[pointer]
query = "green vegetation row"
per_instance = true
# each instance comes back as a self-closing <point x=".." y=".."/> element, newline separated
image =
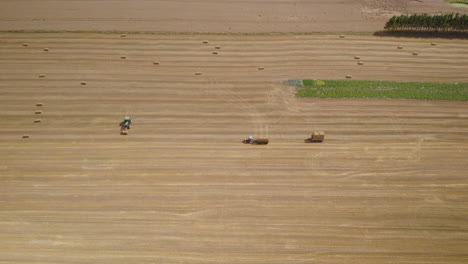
<point x="321" y="33"/>
<point x="382" y="89"/>
<point x="461" y="2"/>
<point x="424" y="22"/>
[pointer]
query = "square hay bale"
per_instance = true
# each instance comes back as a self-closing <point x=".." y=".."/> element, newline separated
<point x="400" y="47"/>
<point x="25" y="44"/>
<point x="357" y="57"/>
<point x="198" y="73"/>
<point x="205" y="42"/>
<point x="215" y="52"/>
<point x="342" y="36"/>
<point x="41" y="75"/>
<point x="38" y="112"/>
<point x="123" y="57"/>
<point x="433" y="44"/>
<point x="261" y="68"/>
<point x="123" y="35"/>
<point x="25" y="136"/>
<point x="217" y="47"/>
<point x="46" y="49"/>
<point x="38" y="104"/>
<point x="37" y="121"/>
<point x="318" y="135"/>
<point x="360" y="63"/>
<point x="83" y="83"/>
<point x="155" y="62"/>
<point x="349" y="76"/>
<point x="415" y="53"/>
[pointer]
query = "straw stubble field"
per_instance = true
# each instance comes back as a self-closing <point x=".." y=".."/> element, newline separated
<point x="387" y="186"/>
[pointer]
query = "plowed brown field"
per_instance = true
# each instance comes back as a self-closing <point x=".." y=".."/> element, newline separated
<point x="389" y="184"/>
<point x="211" y="15"/>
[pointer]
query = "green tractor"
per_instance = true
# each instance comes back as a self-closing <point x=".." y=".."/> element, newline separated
<point x="125" y="125"/>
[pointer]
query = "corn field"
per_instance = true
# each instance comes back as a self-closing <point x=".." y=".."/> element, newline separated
<point x="453" y="22"/>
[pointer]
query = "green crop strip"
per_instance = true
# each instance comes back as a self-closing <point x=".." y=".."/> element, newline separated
<point x="382" y="89"/>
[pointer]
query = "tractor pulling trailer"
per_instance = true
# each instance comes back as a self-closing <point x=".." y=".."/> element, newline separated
<point x="315" y="137"/>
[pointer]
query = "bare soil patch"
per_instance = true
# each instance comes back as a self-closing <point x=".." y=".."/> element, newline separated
<point x="211" y="16"/>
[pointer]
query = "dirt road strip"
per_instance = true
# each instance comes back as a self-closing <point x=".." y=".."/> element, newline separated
<point x="389" y="184"/>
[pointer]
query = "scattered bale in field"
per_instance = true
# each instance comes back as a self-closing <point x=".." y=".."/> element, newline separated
<point x="205" y="42"/>
<point x="123" y="35"/>
<point x="215" y="52"/>
<point x="433" y="44"/>
<point x="357" y="57"/>
<point x="83" y="83"/>
<point x="400" y="47"/>
<point x="348" y="76"/>
<point x="342" y="36"/>
<point x="218" y="47"/>
<point x="39" y="104"/>
<point x="261" y="68"/>
<point x="41" y="75"/>
<point x="37" y="121"/>
<point x="198" y="73"/>
<point x="38" y="112"/>
<point x="415" y="53"/>
<point x="46" y="49"/>
<point x="360" y="63"/>
<point x="25" y="136"/>
<point x="25" y="44"/>
<point x="123" y="57"/>
<point x="155" y="62"/>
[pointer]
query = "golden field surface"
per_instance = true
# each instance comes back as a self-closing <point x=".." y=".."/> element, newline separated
<point x="388" y="185"/>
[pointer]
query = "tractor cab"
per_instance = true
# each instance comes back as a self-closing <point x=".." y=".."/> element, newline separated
<point x="127" y="122"/>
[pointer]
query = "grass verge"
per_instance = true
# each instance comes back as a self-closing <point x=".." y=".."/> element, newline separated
<point x="458" y="3"/>
<point x="383" y="89"/>
<point x="320" y="33"/>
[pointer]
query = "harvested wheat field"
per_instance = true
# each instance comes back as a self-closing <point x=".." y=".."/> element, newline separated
<point x="388" y="185"/>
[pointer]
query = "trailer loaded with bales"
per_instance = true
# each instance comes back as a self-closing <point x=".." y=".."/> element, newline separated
<point x="316" y="137"/>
